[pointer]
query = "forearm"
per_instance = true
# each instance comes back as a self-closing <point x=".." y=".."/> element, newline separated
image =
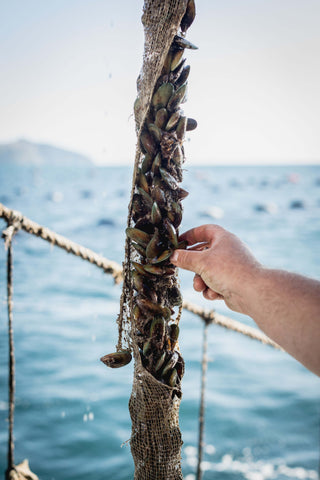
<point x="286" y="307"/>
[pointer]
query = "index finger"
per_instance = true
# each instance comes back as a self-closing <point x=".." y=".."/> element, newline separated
<point x="204" y="233"/>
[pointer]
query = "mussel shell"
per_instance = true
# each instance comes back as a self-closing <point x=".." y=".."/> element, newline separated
<point x="148" y="143"/>
<point x="158" y="195"/>
<point x="146" y="199"/>
<point x="183" y="76"/>
<point x="139" y="268"/>
<point x="147" y="306"/>
<point x="176" y="59"/>
<point x="142" y="180"/>
<point x="171" y="231"/>
<point x="166" y="313"/>
<point x="162" y="257"/>
<point x="173" y="358"/>
<point x="155" y="132"/>
<point x="174" y="332"/>
<point x="182" y="42"/>
<point x="158" y="327"/>
<point x="117" y="359"/>
<point x="146" y="163"/>
<point x="175" y="214"/>
<point x="167" y="63"/>
<point x="160" y="362"/>
<point x="138" y="280"/>
<point x="156" y="216"/>
<point x="154" y="246"/>
<point x="161" y="118"/>
<point x="153" y="269"/>
<point x="146" y="348"/>
<point x="161" y="271"/>
<point x="136" y="312"/>
<point x="144" y="224"/>
<point x="173" y="378"/>
<point x="138" y="236"/>
<point x="189" y="16"/>
<point x="182" y="193"/>
<point x="177" y="156"/>
<point x="157" y="182"/>
<point x="156" y="164"/>
<point x="162" y="95"/>
<point x="139" y="249"/>
<point x="173" y="120"/>
<point x="180" y="367"/>
<point x="191" y="124"/>
<point x="168" y="179"/>
<point x="177" y="97"/>
<point x="181" y="128"/>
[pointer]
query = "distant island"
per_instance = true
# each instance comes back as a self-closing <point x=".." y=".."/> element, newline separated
<point x="27" y="153"/>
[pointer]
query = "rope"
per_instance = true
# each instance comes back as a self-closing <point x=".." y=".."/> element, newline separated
<point x="113" y="268"/>
<point x="12" y="216"/>
<point x="204" y="367"/>
<point x="8" y="235"/>
<point x="210" y="316"/>
<point x="17" y="221"/>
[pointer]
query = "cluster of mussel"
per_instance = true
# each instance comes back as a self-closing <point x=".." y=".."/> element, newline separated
<point x="157" y="214"/>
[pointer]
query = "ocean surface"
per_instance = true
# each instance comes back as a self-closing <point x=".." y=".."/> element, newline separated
<point x="71" y="418"/>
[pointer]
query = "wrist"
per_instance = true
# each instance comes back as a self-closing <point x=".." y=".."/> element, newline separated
<point x="243" y="296"/>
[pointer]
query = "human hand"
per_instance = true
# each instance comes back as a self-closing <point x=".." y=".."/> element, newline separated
<point x="223" y="265"/>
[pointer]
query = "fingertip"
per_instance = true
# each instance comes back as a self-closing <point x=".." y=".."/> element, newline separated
<point x="210" y="294"/>
<point x="186" y="259"/>
<point x="174" y="257"/>
<point x="198" y="283"/>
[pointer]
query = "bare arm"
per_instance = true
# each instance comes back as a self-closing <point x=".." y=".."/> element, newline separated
<point x="286" y="306"/>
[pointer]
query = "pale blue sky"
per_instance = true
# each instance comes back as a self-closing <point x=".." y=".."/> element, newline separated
<point x="69" y="69"/>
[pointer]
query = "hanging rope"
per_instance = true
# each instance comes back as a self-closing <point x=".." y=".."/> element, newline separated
<point x="8" y="234"/>
<point x="204" y="367"/>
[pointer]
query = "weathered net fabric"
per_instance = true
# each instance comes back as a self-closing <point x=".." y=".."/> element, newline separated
<point x="154" y="408"/>
<point x="156" y="437"/>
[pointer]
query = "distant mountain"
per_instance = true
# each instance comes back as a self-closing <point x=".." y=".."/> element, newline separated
<point x="23" y="152"/>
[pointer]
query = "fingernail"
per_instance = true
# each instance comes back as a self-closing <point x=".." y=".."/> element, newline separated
<point x="174" y="257"/>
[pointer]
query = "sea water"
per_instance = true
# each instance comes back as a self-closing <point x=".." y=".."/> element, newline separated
<point x="71" y="417"/>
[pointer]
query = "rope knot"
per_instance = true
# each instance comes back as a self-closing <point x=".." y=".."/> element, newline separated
<point x="13" y="226"/>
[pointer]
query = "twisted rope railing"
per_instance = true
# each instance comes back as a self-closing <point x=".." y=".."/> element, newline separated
<point x="113" y="268"/>
<point x="24" y="223"/>
<point x="16" y="221"/>
<point x="210" y="316"/>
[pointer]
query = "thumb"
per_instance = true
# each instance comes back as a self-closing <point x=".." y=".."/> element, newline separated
<point x="187" y="259"/>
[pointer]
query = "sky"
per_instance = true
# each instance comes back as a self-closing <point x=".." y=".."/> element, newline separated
<point x="69" y="69"/>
